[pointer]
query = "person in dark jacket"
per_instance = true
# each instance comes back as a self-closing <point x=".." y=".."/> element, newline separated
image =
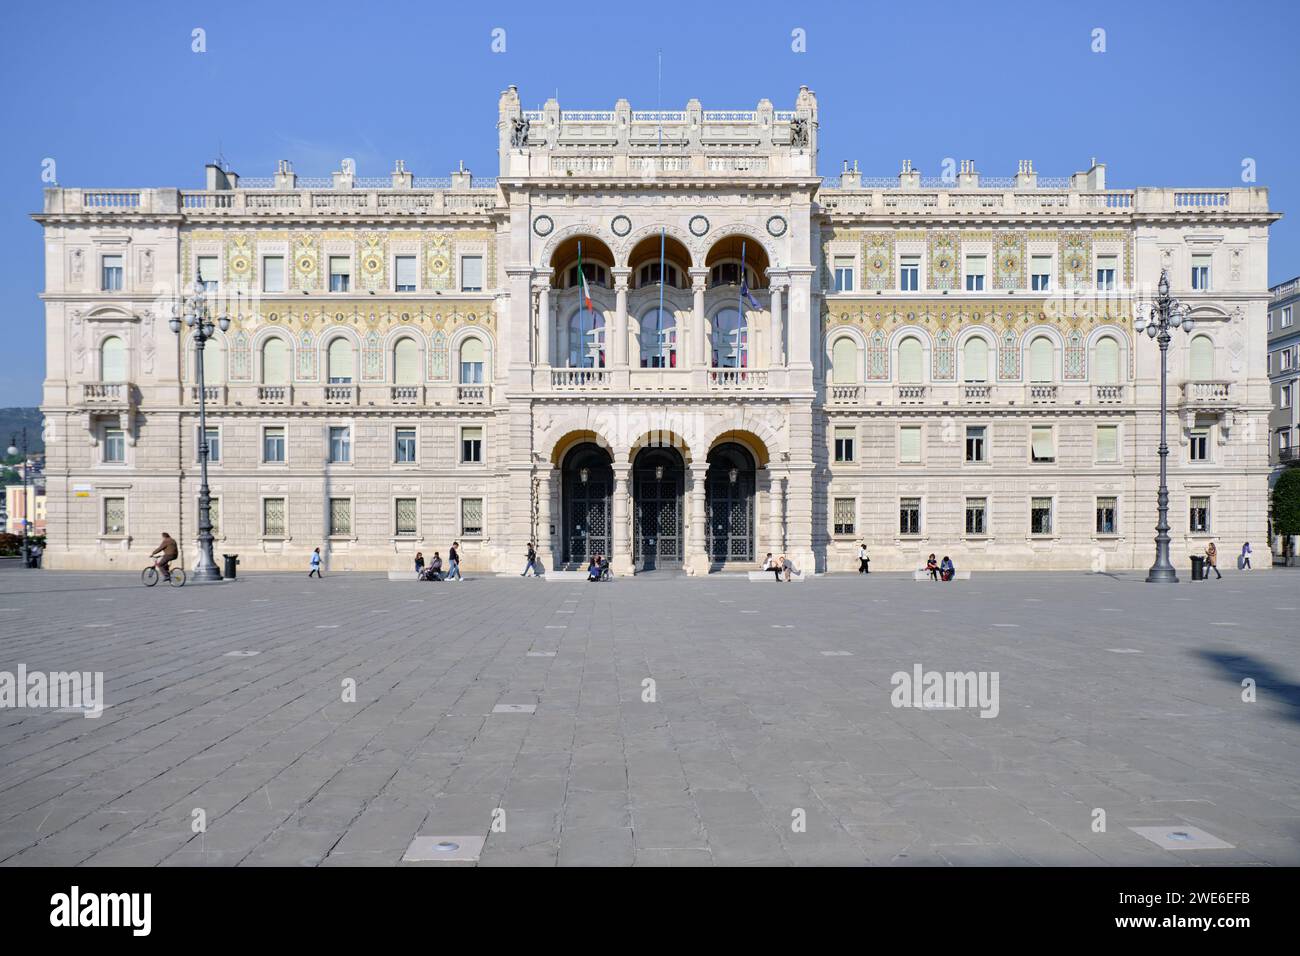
<point x="531" y="561"/>
<point x="419" y="564"/>
<point x="453" y="563"/>
<point x="434" y="573"/>
<point x="169" y="551"/>
<point x="947" y="569"/>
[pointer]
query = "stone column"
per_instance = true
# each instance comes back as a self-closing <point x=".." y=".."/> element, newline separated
<point x="619" y="350"/>
<point x="696" y="559"/>
<point x="776" y="513"/>
<point x="620" y="536"/>
<point x="547" y="478"/>
<point x="803" y="323"/>
<point x="699" y="355"/>
<point x="545" y="327"/>
<point x="777" y="357"/>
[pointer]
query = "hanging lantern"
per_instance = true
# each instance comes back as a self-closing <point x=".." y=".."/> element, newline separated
<point x="733" y="475"/>
<point x="659" y="472"/>
<point x="583" y="475"/>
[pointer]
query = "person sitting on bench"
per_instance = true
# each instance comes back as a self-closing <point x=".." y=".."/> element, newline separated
<point x="434" y="571"/>
<point x="946" y="568"/>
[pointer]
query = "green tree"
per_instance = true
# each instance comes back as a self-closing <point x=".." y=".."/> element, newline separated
<point x="1286" y="502"/>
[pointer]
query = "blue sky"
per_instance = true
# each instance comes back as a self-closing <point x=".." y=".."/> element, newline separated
<point x="113" y="93"/>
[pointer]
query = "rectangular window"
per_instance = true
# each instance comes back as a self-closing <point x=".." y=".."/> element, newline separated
<point x="1042" y="445"/>
<point x="976" y="268"/>
<point x="844" y="515"/>
<point x="1106" y="273"/>
<point x="471" y="516"/>
<point x="209" y="273"/>
<point x="909" y="273"/>
<point x="909" y="516"/>
<point x="1040" y="273"/>
<point x="404" y="518"/>
<point x="340" y="517"/>
<point x="843" y="273"/>
<point x="340" y="273"/>
<point x="1284" y="360"/>
<point x="273" y="522"/>
<point x="1201" y="273"/>
<point x="114" y="517"/>
<point x="844" y="444"/>
<point x="1286" y="317"/>
<point x="273" y="273"/>
<point x="1107" y="508"/>
<point x="1108" y="443"/>
<point x="471" y="445"/>
<point x="471" y="274"/>
<point x="404" y="446"/>
<point x="1198" y="517"/>
<point x="1198" y="445"/>
<point x="405" y="274"/>
<point x="977" y="516"/>
<point x="111" y="274"/>
<point x="273" y="445"/>
<point x="1283" y="440"/>
<point x="214" y="444"/>
<point x="340" y="443"/>
<point x="1040" y="516"/>
<point x="909" y="444"/>
<point x="1284" y="397"/>
<point x="114" y="446"/>
<point x="975" y="438"/>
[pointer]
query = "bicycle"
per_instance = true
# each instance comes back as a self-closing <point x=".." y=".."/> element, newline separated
<point x="149" y="576"/>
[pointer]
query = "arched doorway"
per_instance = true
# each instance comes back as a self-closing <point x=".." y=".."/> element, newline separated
<point x="658" y="479"/>
<point x="588" y="484"/>
<point x="729" y="503"/>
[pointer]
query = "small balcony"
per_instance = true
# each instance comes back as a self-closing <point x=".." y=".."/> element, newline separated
<point x="340" y="394"/>
<point x="1207" y="394"/>
<point x="1108" y="394"/>
<point x="212" y="394"/>
<point x="736" y="379"/>
<point x="911" y="394"/>
<point x="275" y="394"/>
<point x="976" y="393"/>
<point x="1043" y="394"/>
<point x="580" y="379"/>
<point x="472" y="394"/>
<point x="107" y="395"/>
<point x="845" y="394"/>
<point x="1288" y="455"/>
<point x="406" y="394"/>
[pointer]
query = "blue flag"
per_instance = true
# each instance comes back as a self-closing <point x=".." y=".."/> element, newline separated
<point x="744" y="292"/>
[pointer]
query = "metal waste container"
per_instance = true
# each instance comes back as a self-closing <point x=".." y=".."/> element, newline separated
<point x="1198" y="567"/>
<point x="231" y="560"/>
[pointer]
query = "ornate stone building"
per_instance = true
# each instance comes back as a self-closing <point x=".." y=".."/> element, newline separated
<point x="945" y="365"/>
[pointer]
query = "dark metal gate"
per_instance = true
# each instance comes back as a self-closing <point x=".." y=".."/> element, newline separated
<point x="657" y="511"/>
<point x="729" y="486"/>
<point x="588" y="488"/>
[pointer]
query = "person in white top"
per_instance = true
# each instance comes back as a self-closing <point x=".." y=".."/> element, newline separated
<point x="864" y="562"/>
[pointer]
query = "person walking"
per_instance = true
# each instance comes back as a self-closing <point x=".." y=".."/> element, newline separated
<point x="315" y="564"/>
<point x="1212" y="561"/>
<point x="531" y="562"/>
<point x="453" y="563"/>
<point x="419" y="564"/>
<point x="1244" y="560"/>
<point x="932" y="566"/>
<point x="864" y="562"/>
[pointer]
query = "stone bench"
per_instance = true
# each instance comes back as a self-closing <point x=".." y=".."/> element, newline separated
<point x="410" y="576"/>
<point x="795" y="576"/>
<point x="571" y="576"/>
<point x="921" y="574"/>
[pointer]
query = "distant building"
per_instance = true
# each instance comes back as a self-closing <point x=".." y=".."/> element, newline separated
<point x="16" y="509"/>
<point x="1284" y="382"/>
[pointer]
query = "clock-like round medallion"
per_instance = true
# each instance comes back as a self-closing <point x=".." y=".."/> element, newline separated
<point x="699" y="225"/>
<point x="776" y="225"/>
<point x="543" y="225"/>
<point x="621" y="225"/>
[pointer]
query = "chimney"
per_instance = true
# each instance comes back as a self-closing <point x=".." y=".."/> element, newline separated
<point x="967" y="177"/>
<point x="461" y="178"/>
<point x="285" y="177"/>
<point x="1026" y="178"/>
<point x="850" y="178"/>
<point x="1094" y="180"/>
<point x="909" y="178"/>
<point x="217" y="178"/>
<point x="401" y="178"/>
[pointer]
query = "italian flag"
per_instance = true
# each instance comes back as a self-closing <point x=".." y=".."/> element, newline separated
<point x="582" y="282"/>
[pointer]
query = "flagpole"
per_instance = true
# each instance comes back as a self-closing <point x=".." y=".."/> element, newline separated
<point x="661" y="292"/>
<point x="740" y="302"/>
<point x="582" y="296"/>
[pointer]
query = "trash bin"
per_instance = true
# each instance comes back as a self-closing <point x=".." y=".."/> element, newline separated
<point x="1198" y="567"/>
<point x="231" y="560"/>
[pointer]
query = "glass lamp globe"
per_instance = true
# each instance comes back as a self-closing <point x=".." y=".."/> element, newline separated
<point x="1188" y="323"/>
<point x="1140" y="323"/>
<point x="224" y="323"/>
<point x="174" y="323"/>
<point x="12" y="450"/>
<point x="1152" y="331"/>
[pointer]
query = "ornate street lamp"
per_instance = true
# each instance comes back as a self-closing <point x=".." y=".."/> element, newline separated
<point x="197" y="315"/>
<point x="1157" y="319"/>
<point x="27" y="505"/>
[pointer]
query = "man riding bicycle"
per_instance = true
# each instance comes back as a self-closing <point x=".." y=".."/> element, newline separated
<point x="167" y="548"/>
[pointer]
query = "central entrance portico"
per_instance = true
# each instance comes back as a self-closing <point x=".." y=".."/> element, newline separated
<point x="658" y="481"/>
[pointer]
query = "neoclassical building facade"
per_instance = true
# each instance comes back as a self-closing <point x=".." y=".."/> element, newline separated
<point x="663" y="337"/>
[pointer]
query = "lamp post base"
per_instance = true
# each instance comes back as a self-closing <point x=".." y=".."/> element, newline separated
<point x="204" y="574"/>
<point x="1162" y="574"/>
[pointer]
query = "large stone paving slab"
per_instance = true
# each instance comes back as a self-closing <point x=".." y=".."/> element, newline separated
<point x="767" y="735"/>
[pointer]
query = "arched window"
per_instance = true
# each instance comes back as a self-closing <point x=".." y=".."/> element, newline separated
<point x="1040" y="360"/>
<point x="471" y="361"/>
<point x="844" y="361"/>
<point x="649" y="275"/>
<point x="730" y="340"/>
<point x="1202" y="362"/>
<point x="975" y="359"/>
<point x="1106" y="362"/>
<point x="275" y="361"/>
<point x="910" y="355"/>
<point x="214" y="362"/>
<point x="340" y="362"/>
<point x="728" y="273"/>
<point x="587" y="339"/>
<point x="658" y="339"/>
<point x="406" y="362"/>
<point x="112" y="360"/>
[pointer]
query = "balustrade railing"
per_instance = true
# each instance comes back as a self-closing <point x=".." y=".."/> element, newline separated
<point x="472" y="394"/>
<point x="737" y="378"/>
<point x="275" y="394"/>
<point x="977" y="394"/>
<point x="1207" y="393"/>
<point x="911" y="394"/>
<point x="845" y="394"/>
<point x="340" y="394"/>
<point x="105" y="393"/>
<point x="1108" y="394"/>
<point x="1042" y="394"/>
<point x="406" y="394"/>
<point x="579" y="378"/>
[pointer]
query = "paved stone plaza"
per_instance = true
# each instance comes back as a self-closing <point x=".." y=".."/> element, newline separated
<point x="1113" y="695"/>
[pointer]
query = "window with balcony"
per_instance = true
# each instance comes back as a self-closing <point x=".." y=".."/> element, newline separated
<point x="976" y="443"/>
<point x="909" y="516"/>
<point x="844" y="444"/>
<point x="911" y="355"/>
<point x="340" y="444"/>
<point x="977" y="516"/>
<point x="976" y="270"/>
<point x="404" y="274"/>
<point x="843" y="266"/>
<point x="1201" y="273"/>
<point x="909" y="273"/>
<point x="1040" y="516"/>
<point x="273" y="273"/>
<point x="471" y="445"/>
<point x="111" y="273"/>
<point x="1107" y="443"/>
<point x="340" y="361"/>
<point x="404" y="446"/>
<point x="275" y="361"/>
<point x="471" y="361"/>
<point x="975" y="359"/>
<point x="208" y="273"/>
<point x="1106" y="362"/>
<point x="587" y="339"/>
<point x="1107" y="510"/>
<point x="1198" y="445"/>
<point x="728" y="273"/>
<point x="1106" y="273"/>
<point x="406" y="362"/>
<point x="471" y="273"/>
<point x="112" y="360"/>
<point x="1201" y="360"/>
<point x="273" y="445"/>
<point x="843" y="520"/>
<point x="594" y="272"/>
<point x="1042" y="444"/>
<point x="730" y="340"/>
<point x="340" y="273"/>
<point x="1042" y="360"/>
<point x="649" y="275"/>
<point x="114" y="446"/>
<point x="1040" y="273"/>
<point x="1198" y="514"/>
<point x="658" y="339"/>
<point x="909" y="444"/>
<point x="844" y="361"/>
